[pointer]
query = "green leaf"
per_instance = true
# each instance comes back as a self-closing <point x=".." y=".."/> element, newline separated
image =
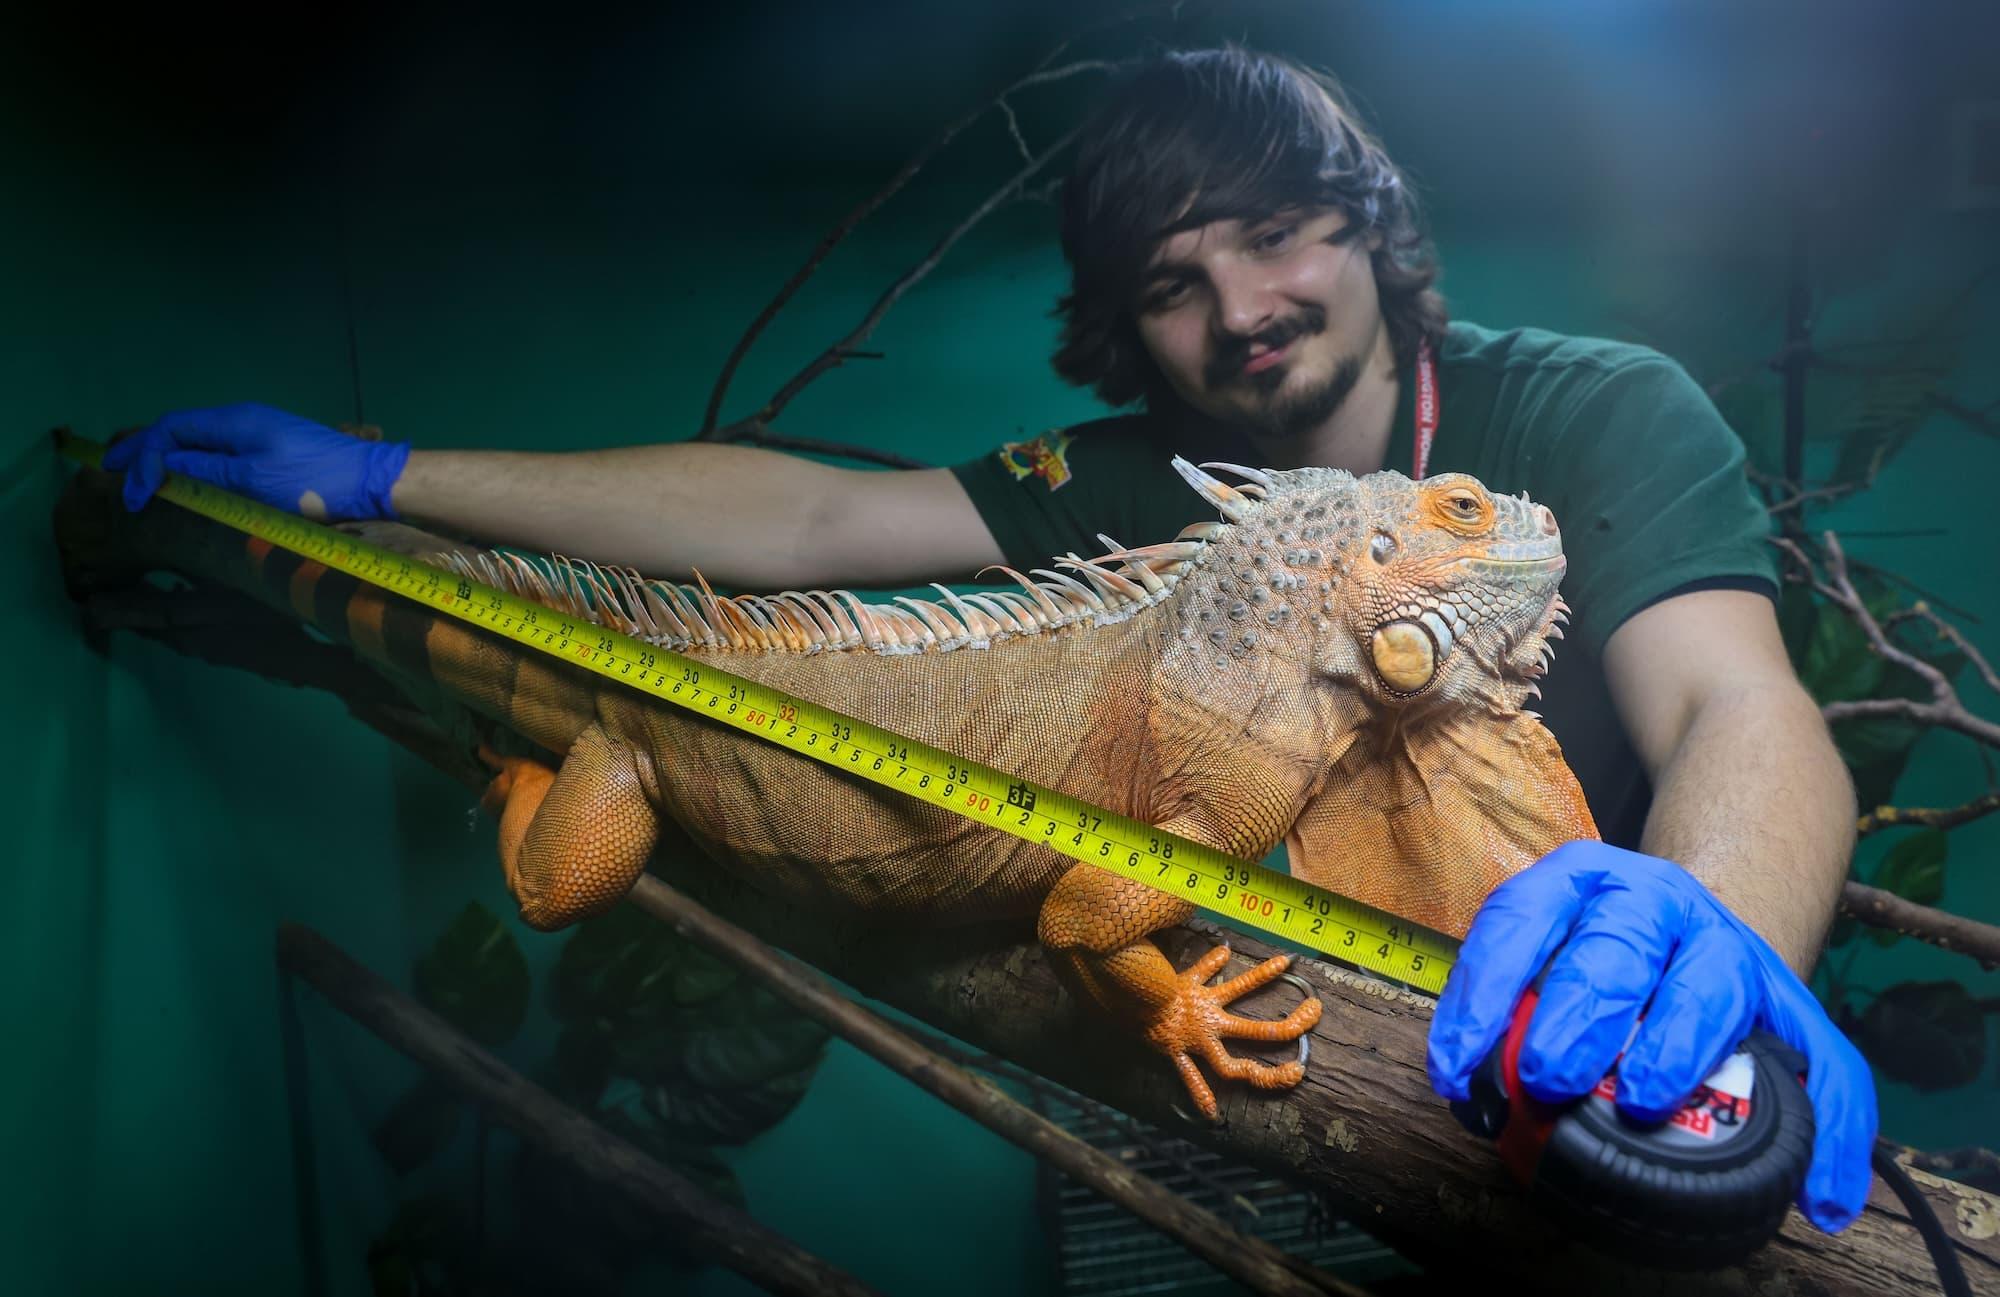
<point x="419" y="1126"/>
<point x="601" y="1226"/>
<point x="617" y="968"/>
<point x="1870" y="740"/>
<point x="1839" y="665"/>
<point x="727" y="1057"/>
<point x="405" y="1260"/>
<point x="1930" y="1035"/>
<point x="1877" y="748"/>
<point x="726" y="1116"/>
<point x="1882" y="418"/>
<point x="700" y="977"/>
<point x="727" y="1068"/>
<point x="1797" y="611"/>
<point x="476" y="978"/>
<point x="1914" y="867"/>
<point x="582" y="1063"/>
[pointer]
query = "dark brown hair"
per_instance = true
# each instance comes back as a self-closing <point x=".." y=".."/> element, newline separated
<point x="1189" y="137"/>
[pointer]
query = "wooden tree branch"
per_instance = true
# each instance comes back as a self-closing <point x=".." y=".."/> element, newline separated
<point x="1921" y="608"/>
<point x="1873" y="906"/>
<point x="264" y="642"/>
<point x="714" y="1229"/>
<point x="1248" y="1259"/>
<point x="1364" y="1128"/>
<point x="1799" y="495"/>
<point x="1937" y="817"/>
<point x="1980" y="1162"/>
<point x="1944" y="710"/>
<point x="1942" y="715"/>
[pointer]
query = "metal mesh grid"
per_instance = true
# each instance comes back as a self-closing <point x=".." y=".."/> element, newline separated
<point x="1101" y="1250"/>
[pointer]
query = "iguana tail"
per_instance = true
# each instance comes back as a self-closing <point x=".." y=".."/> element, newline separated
<point x="440" y="663"/>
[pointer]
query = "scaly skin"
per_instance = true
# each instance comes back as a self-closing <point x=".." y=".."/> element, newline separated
<point x="1340" y="665"/>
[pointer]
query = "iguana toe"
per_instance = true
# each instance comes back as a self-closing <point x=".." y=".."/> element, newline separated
<point x="1195" y="1022"/>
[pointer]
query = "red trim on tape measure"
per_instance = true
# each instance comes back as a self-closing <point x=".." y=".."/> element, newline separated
<point x="1529" y="1123"/>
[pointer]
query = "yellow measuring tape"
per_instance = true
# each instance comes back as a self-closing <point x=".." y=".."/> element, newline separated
<point x="1337" y="926"/>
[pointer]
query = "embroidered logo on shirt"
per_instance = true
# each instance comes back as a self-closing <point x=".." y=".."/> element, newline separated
<point x="1044" y="457"/>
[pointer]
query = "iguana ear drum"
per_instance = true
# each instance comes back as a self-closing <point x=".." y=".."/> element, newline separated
<point x="1404" y="656"/>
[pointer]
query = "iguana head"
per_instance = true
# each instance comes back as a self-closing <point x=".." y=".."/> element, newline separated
<point x="1426" y="609"/>
<point x="1417" y="594"/>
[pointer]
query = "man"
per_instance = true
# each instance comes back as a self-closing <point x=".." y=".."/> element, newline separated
<point x="1247" y="267"/>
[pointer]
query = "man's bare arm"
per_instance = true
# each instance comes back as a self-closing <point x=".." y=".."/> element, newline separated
<point x="1750" y="795"/>
<point x="748" y="518"/>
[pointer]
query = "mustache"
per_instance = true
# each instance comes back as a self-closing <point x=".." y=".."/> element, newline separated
<point x="1229" y="358"/>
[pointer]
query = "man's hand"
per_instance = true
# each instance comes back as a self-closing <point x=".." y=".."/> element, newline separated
<point x="266" y="454"/>
<point x="1631" y="933"/>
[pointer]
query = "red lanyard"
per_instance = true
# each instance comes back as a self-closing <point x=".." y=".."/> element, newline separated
<point x="1427" y="408"/>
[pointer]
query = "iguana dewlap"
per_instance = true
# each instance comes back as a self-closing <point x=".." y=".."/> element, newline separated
<point x="1340" y="664"/>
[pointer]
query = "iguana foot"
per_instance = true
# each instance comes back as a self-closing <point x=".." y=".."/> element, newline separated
<point x="573" y="841"/>
<point x="514" y="794"/>
<point x="1195" y="1022"/>
<point x="1097" y="925"/>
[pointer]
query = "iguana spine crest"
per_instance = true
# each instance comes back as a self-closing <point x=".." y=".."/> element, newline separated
<point x="1122" y="581"/>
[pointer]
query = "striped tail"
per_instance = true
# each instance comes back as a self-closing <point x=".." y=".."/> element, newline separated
<point x="433" y="658"/>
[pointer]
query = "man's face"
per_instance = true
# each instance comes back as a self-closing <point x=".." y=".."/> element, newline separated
<point x="1263" y="324"/>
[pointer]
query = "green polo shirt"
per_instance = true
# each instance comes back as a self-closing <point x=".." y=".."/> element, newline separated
<point x="1644" y="476"/>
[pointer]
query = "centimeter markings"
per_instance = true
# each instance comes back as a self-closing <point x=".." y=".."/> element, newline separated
<point x="1338" y="926"/>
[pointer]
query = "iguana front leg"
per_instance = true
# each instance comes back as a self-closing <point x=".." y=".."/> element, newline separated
<point x="1097" y="924"/>
<point x="573" y="840"/>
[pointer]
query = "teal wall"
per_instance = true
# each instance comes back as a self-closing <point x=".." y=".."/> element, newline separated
<point x="549" y="239"/>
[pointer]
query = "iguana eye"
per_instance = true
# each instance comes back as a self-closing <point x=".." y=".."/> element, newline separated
<point x="1461" y="509"/>
<point x="1381" y="547"/>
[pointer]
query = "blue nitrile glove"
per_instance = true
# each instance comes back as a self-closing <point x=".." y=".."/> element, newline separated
<point x="1624" y="929"/>
<point x="266" y="454"/>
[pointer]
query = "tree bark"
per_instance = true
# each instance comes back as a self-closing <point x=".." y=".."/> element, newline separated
<point x="1364" y="1126"/>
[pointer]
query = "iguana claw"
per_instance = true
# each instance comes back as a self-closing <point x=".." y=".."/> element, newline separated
<point x="1195" y="1023"/>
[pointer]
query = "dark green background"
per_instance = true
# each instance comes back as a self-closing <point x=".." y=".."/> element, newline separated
<point x="545" y="231"/>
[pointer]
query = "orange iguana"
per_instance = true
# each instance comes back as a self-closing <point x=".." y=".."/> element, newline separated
<point x="1337" y="663"/>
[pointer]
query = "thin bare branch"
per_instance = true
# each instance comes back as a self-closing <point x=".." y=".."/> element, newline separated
<point x="861" y="213"/>
<point x="719" y="1231"/>
<point x="1014" y="129"/>
<point x="1944" y="710"/>
<point x="754" y="435"/>
<point x="1880" y="909"/>
<point x="1937" y="817"/>
<point x="1048" y="1091"/>
<point x="1946" y="715"/>
<point x="1950" y="632"/>
<point x="1250" y="1260"/>
<point x="833" y="356"/>
<point x="1800" y="495"/>
<point x="1897" y="578"/>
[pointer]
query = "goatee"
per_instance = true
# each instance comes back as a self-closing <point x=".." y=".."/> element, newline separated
<point x="1284" y="415"/>
<point x="1274" y="415"/>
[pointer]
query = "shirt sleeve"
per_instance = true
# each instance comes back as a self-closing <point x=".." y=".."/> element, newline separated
<point x="1655" y="499"/>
